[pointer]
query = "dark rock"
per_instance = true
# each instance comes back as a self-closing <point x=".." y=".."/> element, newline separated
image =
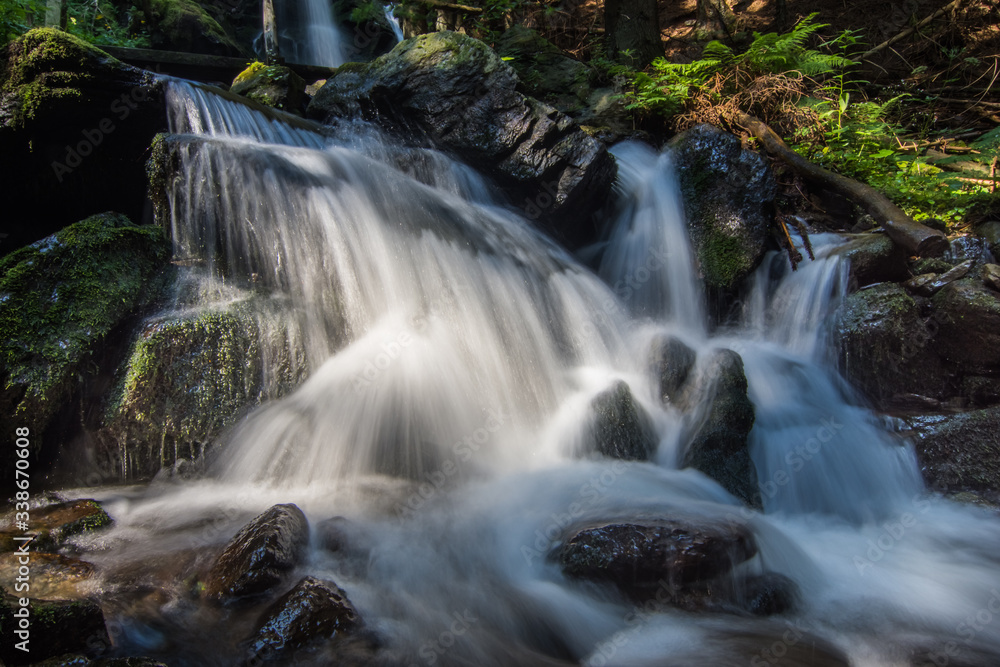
<point x="968" y="249"/>
<point x="767" y="594"/>
<point x="930" y="265"/>
<point x="312" y="611"/>
<point x="960" y="453"/>
<point x="272" y="85"/>
<point x="621" y="428"/>
<point x="672" y="362"/>
<point x="61" y="301"/>
<point x="885" y="345"/>
<point x="990" y="232"/>
<point x="990" y="273"/>
<point x="664" y="554"/>
<point x="370" y="29"/>
<point x="874" y="258"/>
<point x="58" y="627"/>
<point x="261" y="554"/>
<point x="184" y="25"/>
<point x="53" y="524"/>
<point x="463" y="97"/>
<point x="75" y="125"/>
<point x="968" y="319"/>
<point x="719" y="448"/>
<point x="728" y="198"/>
<point x="980" y="390"/>
<point x="342" y="536"/>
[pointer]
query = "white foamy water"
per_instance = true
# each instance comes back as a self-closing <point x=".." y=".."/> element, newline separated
<point x="450" y="353"/>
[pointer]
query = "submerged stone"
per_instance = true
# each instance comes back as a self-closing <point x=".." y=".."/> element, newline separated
<point x="52" y="525"/>
<point x="260" y="555"/>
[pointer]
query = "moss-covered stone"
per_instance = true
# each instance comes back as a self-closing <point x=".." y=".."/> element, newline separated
<point x="60" y="298"/>
<point x="968" y="318"/>
<point x="74" y="127"/>
<point x="272" y="85"/>
<point x="54" y="524"/>
<point x="57" y="628"/>
<point x="728" y="199"/>
<point x="886" y="345"/>
<point x="961" y="453"/>
<point x="874" y="258"/>
<point x="184" y="25"/>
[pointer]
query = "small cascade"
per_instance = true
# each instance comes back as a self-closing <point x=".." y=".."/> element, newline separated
<point x="308" y="34"/>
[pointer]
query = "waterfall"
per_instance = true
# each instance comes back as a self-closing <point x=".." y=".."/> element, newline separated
<point x="452" y="352"/>
<point x="308" y="34"/>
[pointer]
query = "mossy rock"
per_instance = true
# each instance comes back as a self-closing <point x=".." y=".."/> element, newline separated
<point x="187" y="379"/>
<point x="728" y="196"/>
<point x="968" y="332"/>
<point x="874" y="258"/>
<point x="272" y="85"/>
<point x="184" y="25"/>
<point x="74" y="127"/>
<point x="58" y="628"/>
<point x="886" y="345"/>
<point x="621" y="428"/>
<point x="544" y="70"/>
<point x="60" y="299"/>
<point x="961" y="453"/>
<point x="54" y="524"/>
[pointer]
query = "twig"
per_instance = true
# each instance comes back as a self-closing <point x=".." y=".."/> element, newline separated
<point x="909" y="31"/>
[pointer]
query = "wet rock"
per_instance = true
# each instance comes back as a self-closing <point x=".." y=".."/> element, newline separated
<point x="767" y="594"/>
<point x="57" y="628"/>
<point x="925" y="265"/>
<point x="62" y="301"/>
<point x="719" y="448"/>
<point x="728" y="198"/>
<point x="968" y="319"/>
<point x="990" y="273"/>
<point x="665" y="555"/>
<point x="53" y="576"/>
<point x="75" y="125"/>
<point x="372" y="33"/>
<point x="874" y="258"/>
<point x="621" y="428"/>
<point x="342" y="536"/>
<point x="260" y="555"/>
<point x="185" y="380"/>
<point x="968" y="249"/>
<point x="930" y="284"/>
<point x="886" y="345"/>
<point x="275" y="86"/>
<point x="960" y="453"/>
<point x="672" y="362"/>
<point x="53" y="524"/>
<point x="312" y="611"/>
<point x="463" y="98"/>
<point x="981" y="390"/>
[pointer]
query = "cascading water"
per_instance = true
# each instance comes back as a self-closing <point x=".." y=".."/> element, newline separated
<point x="308" y="34"/>
<point x="452" y="353"/>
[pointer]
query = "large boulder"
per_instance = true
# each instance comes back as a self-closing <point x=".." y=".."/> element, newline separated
<point x="968" y="332"/>
<point x="886" y="345"/>
<point x="960" y="453"/>
<point x="260" y="555"/>
<point x="64" y="302"/>
<point x="620" y="427"/>
<point x="184" y="25"/>
<point x="186" y="379"/>
<point x="639" y="558"/>
<point x="312" y="611"/>
<point x="729" y="202"/>
<point x="463" y="97"/>
<point x="75" y="125"/>
<point x="719" y="448"/>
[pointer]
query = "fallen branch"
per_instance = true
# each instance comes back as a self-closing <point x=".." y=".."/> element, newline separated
<point x="448" y="5"/>
<point x="904" y="231"/>
<point x="912" y="29"/>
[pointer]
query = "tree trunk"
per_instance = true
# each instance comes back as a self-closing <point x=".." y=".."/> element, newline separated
<point x="915" y="238"/>
<point x="713" y="20"/>
<point x="632" y="29"/>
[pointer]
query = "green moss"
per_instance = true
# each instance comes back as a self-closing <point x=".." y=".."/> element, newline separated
<point x="185" y="22"/>
<point x="250" y="72"/>
<point x="61" y="296"/>
<point x="723" y="260"/>
<point x="47" y="65"/>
